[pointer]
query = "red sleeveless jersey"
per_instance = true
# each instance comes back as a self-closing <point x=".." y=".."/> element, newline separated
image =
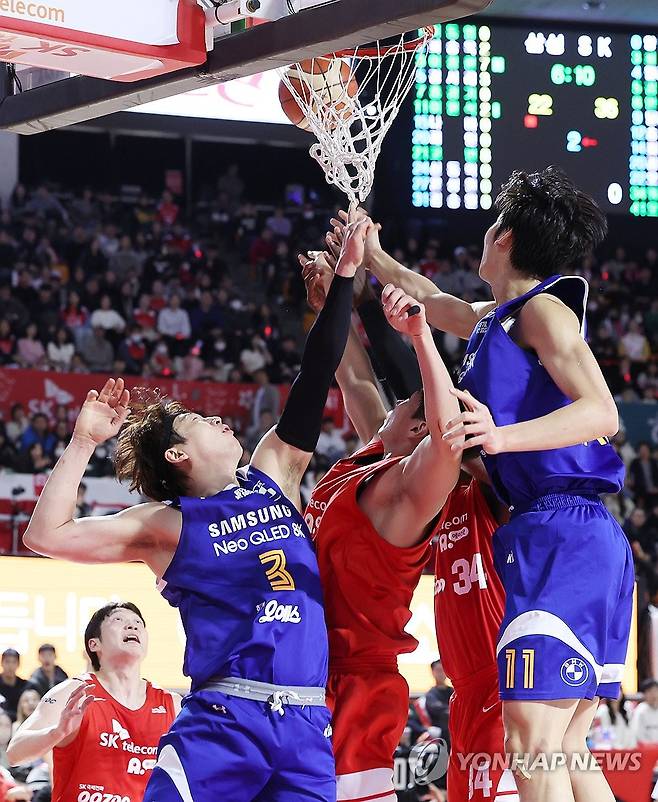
<point x="111" y="757"/>
<point x="368" y="583"/>
<point x="469" y="599"/>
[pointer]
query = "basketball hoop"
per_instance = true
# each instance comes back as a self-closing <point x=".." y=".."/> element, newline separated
<point x="350" y="124"/>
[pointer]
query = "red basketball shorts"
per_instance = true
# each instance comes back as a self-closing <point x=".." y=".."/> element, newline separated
<point x="370" y="711"/>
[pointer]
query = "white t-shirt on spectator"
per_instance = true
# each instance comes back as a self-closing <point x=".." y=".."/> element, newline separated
<point x="174" y="322"/>
<point x="60" y="356"/>
<point x="644" y="724"/>
<point x="107" y="319"/>
<point x="252" y="360"/>
<point x="331" y="445"/>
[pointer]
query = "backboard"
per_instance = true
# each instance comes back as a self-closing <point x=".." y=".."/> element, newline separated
<point x="52" y="100"/>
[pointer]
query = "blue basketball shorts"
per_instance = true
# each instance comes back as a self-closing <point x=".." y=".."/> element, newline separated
<point x="568" y="574"/>
<point x="222" y="747"/>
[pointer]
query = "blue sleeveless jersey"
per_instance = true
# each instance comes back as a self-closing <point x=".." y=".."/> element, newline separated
<point x="516" y="387"/>
<point x="246" y="582"/>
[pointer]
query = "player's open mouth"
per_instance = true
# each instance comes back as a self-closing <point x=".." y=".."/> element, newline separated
<point x="131" y="639"/>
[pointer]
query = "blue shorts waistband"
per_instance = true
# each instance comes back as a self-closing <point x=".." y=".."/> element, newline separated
<point x="556" y="501"/>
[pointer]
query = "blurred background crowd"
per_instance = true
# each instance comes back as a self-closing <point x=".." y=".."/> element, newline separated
<point x="93" y="283"/>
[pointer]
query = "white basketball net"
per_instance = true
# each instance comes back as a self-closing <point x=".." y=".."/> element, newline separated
<point x="351" y="128"/>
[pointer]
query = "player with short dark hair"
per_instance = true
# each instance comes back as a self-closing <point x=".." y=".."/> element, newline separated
<point x="103" y="727"/>
<point x="539" y="408"/>
<point x="233" y="553"/>
<point x="372" y="517"/>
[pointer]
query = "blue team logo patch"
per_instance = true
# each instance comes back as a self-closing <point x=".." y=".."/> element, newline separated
<point x="574" y="672"/>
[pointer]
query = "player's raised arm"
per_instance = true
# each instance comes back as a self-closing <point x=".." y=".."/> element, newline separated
<point x="408" y="496"/>
<point x="56" y="719"/>
<point x="552" y="330"/>
<point x="445" y="312"/>
<point x="128" y="535"/>
<point x="355" y="376"/>
<point x="285" y="451"/>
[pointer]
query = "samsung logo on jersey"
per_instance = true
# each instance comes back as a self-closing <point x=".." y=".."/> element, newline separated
<point x="237" y="523"/>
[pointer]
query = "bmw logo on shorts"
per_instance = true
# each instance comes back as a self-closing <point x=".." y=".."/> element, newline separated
<point x="574" y="672"/>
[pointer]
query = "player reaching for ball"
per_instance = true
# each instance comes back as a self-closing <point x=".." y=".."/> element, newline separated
<point x="234" y="554"/>
<point x="469" y="598"/>
<point x="539" y="408"/>
<point x="372" y="518"/>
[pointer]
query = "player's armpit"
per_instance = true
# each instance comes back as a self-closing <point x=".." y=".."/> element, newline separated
<point x="404" y="499"/>
<point x="283" y="463"/>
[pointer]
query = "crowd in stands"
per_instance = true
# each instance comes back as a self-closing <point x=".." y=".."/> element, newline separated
<point x="19" y="697"/>
<point x="94" y="283"/>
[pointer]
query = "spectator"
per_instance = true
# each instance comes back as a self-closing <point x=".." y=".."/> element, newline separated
<point x="266" y="399"/>
<point x="12" y="309"/>
<point x="5" y="737"/>
<point x="73" y="315"/>
<point x="330" y="442"/>
<point x="38" y="432"/>
<point x="18" y="423"/>
<point x="611" y="728"/>
<point x="126" y="260"/>
<point x="437" y="699"/>
<point x="262" y="250"/>
<point x="49" y="673"/>
<point x="644" y="720"/>
<point x="62" y="438"/>
<point x="11" y="685"/>
<point x="231" y="185"/>
<point x="33" y="460"/>
<point x="279" y="224"/>
<point x="97" y="351"/>
<point x="168" y="210"/>
<point x="174" y="324"/>
<point x="60" y="350"/>
<point x="26" y="705"/>
<point x="634" y="344"/>
<point x="8" y="452"/>
<point x="82" y="508"/>
<point x="256" y="432"/>
<point x="7" y="343"/>
<point x="30" y="352"/>
<point x="107" y="318"/>
<point x="255" y="356"/>
<point x="643" y="475"/>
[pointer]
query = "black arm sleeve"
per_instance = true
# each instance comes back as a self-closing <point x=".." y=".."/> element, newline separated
<point x="396" y="363"/>
<point x="301" y="418"/>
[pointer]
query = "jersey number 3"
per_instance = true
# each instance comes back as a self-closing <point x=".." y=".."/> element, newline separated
<point x="276" y="573"/>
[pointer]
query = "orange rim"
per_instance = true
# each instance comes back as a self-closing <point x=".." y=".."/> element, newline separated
<point x="374" y="52"/>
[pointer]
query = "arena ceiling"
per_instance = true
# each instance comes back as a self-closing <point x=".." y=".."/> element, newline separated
<point x="630" y="12"/>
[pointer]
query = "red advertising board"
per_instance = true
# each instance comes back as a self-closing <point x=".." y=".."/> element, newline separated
<point x="43" y="391"/>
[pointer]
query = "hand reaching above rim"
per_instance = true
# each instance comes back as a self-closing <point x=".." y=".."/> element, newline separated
<point x="317" y="273"/>
<point x="103" y="413"/>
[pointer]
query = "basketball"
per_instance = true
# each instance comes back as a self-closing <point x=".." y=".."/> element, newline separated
<point x="317" y="81"/>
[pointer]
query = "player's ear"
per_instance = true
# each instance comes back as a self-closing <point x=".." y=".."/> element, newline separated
<point x="175" y="455"/>
<point x="418" y="429"/>
<point x="504" y="239"/>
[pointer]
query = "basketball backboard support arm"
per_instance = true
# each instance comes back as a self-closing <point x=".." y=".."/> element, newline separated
<point x="310" y="33"/>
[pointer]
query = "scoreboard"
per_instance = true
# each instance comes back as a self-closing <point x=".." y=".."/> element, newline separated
<point x="492" y="98"/>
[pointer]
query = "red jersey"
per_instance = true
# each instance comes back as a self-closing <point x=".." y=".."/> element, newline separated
<point x="112" y="755"/>
<point x="469" y="599"/>
<point x="368" y="583"/>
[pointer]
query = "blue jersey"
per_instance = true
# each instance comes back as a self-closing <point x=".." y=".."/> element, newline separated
<point x="516" y="387"/>
<point x="246" y="582"/>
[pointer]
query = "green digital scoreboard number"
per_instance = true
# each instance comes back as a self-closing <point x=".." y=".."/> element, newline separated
<point x="489" y="99"/>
